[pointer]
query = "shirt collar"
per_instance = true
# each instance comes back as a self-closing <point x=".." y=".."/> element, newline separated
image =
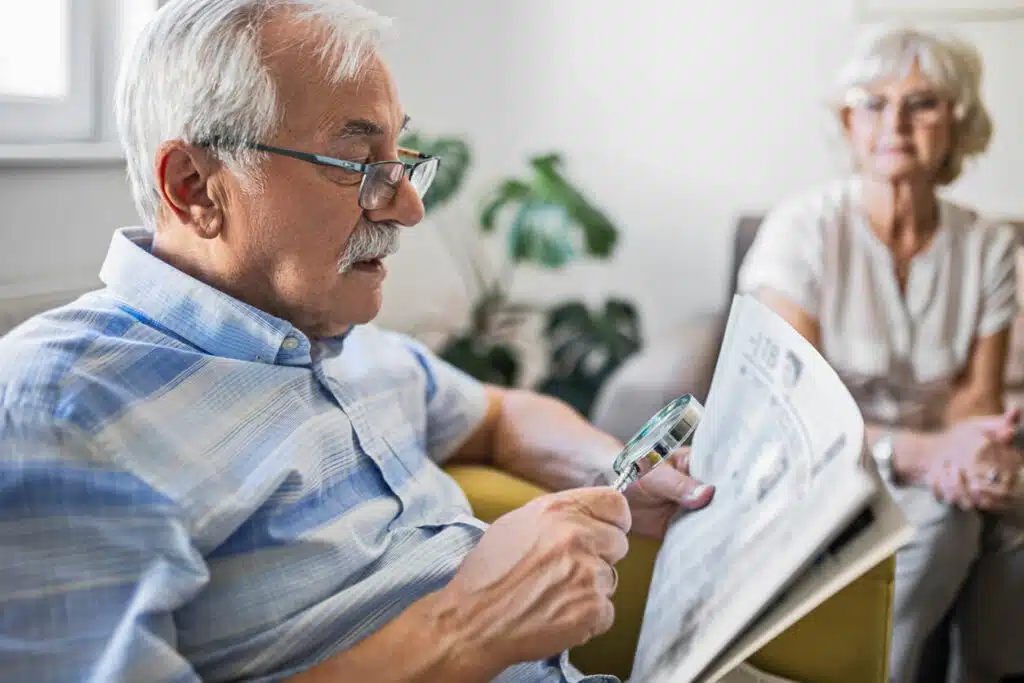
<point x="193" y="311"/>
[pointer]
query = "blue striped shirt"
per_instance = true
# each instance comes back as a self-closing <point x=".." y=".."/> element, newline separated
<point x="192" y="490"/>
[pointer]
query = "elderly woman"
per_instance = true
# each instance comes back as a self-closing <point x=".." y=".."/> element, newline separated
<point x="911" y="298"/>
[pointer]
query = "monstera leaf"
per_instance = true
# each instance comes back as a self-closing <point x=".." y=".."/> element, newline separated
<point x="541" y="234"/>
<point x="492" y="363"/>
<point x="586" y="347"/>
<point x="509" y="192"/>
<point x="455" y="161"/>
<point x="599" y="235"/>
<point x="553" y="223"/>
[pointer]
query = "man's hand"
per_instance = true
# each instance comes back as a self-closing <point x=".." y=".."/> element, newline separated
<point x="657" y="497"/>
<point x="541" y="579"/>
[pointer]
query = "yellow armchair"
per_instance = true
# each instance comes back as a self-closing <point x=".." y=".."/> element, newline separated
<point x="844" y="640"/>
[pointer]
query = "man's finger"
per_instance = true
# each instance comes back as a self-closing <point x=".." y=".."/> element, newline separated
<point x="603" y="503"/>
<point x="609" y="542"/>
<point x="681" y="460"/>
<point x="674" y="486"/>
<point x="699" y="496"/>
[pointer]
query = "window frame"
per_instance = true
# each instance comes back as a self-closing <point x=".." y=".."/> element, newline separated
<point x="82" y="129"/>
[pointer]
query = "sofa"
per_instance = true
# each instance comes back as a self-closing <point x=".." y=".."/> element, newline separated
<point x="683" y="360"/>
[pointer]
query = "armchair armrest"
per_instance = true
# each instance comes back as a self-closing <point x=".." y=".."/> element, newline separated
<point x="680" y="362"/>
<point x="492" y="493"/>
<point x="843" y="640"/>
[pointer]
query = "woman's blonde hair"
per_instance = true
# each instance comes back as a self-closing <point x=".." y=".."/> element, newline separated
<point x="951" y="64"/>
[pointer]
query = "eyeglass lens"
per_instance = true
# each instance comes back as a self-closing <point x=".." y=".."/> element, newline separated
<point x="382" y="181"/>
<point x="924" y="107"/>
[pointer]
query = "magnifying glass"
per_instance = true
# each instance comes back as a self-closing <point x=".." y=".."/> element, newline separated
<point x="671" y="428"/>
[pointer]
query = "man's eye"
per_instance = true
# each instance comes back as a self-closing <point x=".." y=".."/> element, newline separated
<point x="342" y="176"/>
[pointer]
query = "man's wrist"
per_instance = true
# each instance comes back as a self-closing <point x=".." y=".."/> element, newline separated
<point x="427" y="642"/>
<point x="459" y="657"/>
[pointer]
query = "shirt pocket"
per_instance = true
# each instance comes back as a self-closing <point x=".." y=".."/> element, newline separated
<point x="428" y="495"/>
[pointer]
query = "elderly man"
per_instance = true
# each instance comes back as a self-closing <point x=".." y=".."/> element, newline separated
<point x="216" y="469"/>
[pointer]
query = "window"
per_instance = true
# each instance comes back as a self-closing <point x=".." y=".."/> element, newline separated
<point x="33" y="36"/>
<point x="58" y="64"/>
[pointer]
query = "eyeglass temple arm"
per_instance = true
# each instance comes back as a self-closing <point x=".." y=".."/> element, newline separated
<point x="412" y="153"/>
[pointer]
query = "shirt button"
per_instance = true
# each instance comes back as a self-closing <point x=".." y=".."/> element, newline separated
<point x="290" y="344"/>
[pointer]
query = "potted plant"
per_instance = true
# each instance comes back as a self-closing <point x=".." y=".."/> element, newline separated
<point x="545" y="221"/>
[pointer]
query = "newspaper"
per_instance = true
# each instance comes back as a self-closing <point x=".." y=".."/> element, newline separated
<point x="799" y="510"/>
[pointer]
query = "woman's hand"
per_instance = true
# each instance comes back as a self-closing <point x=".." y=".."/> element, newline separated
<point x="975" y="466"/>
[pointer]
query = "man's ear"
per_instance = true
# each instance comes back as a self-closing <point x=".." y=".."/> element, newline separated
<point x="183" y="174"/>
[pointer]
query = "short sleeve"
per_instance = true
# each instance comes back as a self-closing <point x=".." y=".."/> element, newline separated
<point x="999" y="306"/>
<point x="786" y="255"/>
<point x="94" y="564"/>
<point x="456" y="403"/>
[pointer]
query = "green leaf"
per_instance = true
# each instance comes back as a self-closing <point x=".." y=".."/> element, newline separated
<point x="599" y="234"/>
<point x="492" y="363"/>
<point x="587" y="347"/>
<point x="508" y="192"/>
<point x="580" y="394"/>
<point x="540" y="233"/>
<point x="455" y="161"/>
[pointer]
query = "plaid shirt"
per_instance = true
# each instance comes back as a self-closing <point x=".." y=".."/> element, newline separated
<point x="192" y="490"/>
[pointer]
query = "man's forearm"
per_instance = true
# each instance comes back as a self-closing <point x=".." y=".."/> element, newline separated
<point x="547" y="442"/>
<point x="418" y="646"/>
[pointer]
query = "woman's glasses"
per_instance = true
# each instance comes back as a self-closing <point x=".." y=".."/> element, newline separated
<point x="926" y="107"/>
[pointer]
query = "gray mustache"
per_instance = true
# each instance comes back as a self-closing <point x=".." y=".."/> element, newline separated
<point x="369" y="241"/>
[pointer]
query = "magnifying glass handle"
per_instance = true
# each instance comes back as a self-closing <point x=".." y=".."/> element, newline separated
<point x="624" y="480"/>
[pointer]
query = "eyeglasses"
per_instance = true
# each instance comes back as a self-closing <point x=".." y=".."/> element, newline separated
<point x="380" y="179"/>
<point x="925" y="108"/>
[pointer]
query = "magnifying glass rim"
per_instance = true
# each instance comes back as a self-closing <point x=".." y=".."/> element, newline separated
<point x="654" y="431"/>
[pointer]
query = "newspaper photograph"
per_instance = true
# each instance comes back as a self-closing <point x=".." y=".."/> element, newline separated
<point x="782" y="440"/>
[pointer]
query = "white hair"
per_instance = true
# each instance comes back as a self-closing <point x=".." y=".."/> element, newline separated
<point x="949" y="63"/>
<point x="196" y="73"/>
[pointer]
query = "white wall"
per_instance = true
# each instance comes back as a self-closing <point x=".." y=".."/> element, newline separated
<point x="56" y="224"/>
<point x="675" y="116"/>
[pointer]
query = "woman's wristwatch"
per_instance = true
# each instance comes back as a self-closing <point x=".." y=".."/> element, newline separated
<point x="883" y="451"/>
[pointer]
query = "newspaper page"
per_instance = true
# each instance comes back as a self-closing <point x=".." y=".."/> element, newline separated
<point x="884" y="531"/>
<point x="782" y="440"/>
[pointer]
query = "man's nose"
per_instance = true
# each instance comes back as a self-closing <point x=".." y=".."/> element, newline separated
<point x="405" y="208"/>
